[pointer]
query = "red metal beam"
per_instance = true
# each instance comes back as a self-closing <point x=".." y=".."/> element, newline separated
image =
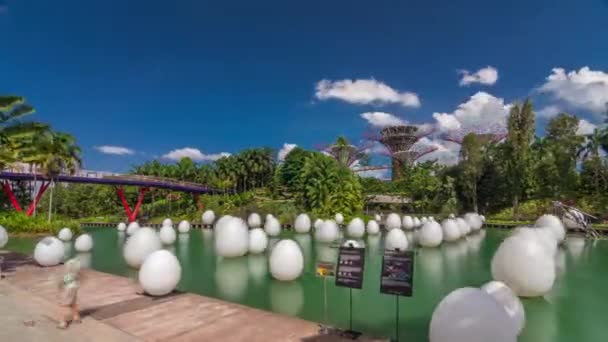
<point x="11" y="196"/>
<point x="32" y="207"/>
<point x="121" y="194"/>
<point x="142" y="194"/>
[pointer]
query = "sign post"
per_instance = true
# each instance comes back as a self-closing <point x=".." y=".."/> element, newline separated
<point x="397" y="278"/>
<point x="351" y="261"/>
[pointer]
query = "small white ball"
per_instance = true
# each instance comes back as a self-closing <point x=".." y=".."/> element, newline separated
<point x="377" y="217"/>
<point x="49" y="251"/>
<point x="3" y="237"/>
<point x="483" y="218"/>
<point x="83" y="243"/>
<point x="183" y="226"/>
<point x="142" y="243"/>
<point x="470" y="315"/>
<point x="272" y="226"/>
<point x="463" y="227"/>
<point x="160" y="273"/>
<point x="393" y="221"/>
<point x="373" y="228"/>
<point x="302" y="224"/>
<point x="167" y="235"/>
<point x="356" y="228"/>
<point x="474" y="221"/>
<point x="318" y="223"/>
<point x="254" y="220"/>
<point x="65" y="234"/>
<point x="286" y="261"/>
<point x="327" y="232"/>
<point x="121" y="227"/>
<point x="396" y="239"/>
<point x="423" y="220"/>
<point x="451" y="232"/>
<point x="258" y="241"/>
<point x="132" y="228"/>
<point x="167" y="222"/>
<point x="231" y="237"/>
<point x="269" y="216"/>
<point x="408" y="223"/>
<point x="554" y="224"/>
<point x="417" y="222"/>
<point x="208" y="217"/>
<point x="430" y="235"/>
<point x="339" y="218"/>
<point x="524" y="265"/>
<point x="507" y="298"/>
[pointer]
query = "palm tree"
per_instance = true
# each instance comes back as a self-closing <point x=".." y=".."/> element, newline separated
<point x="593" y="144"/>
<point x="14" y="134"/>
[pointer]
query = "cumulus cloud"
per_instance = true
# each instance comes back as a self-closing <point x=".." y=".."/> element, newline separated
<point x="585" y="127"/>
<point x="364" y="91"/>
<point x="193" y="153"/>
<point x="115" y="150"/>
<point x="549" y="112"/>
<point x="381" y="119"/>
<point x="583" y="89"/>
<point x="487" y="76"/>
<point x="481" y="111"/>
<point x="284" y="151"/>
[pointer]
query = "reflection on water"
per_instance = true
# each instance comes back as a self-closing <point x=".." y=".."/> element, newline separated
<point x="575" y="245"/>
<point x="258" y="268"/>
<point x="305" y="241"/>
<point x="67" y="250"/>
<point x="120" y="239"/>
<point x="326" y="253"/>
<point x="85" y="259"/>
<point x="231" y="278"/>
<point x="373" y="244"/>
<point x="286" y="297"/>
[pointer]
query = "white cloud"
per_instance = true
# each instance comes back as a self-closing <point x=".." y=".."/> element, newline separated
<point x="116" y="150"/>
<point x="364" y="91"/>
<point x="487" y="76"/>
<point x="193" y="153"/>
<point x="549" y="111"/>
<point x="284" y="151"/>
<point x="481" y="111"/>
<point x="447" y="152"/>
<point x="584" y="89"/>
<point x="381" y="119"/>
<point x="585" y="127"/>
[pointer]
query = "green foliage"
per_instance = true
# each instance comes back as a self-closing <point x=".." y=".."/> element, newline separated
<point x="20" y="223"/>
<point x="529" y="210"/>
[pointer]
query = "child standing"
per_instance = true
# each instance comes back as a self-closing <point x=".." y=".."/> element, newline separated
<point x="68" y="292"/>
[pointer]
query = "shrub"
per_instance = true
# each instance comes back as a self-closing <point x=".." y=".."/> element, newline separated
<point x="20" y="223"/>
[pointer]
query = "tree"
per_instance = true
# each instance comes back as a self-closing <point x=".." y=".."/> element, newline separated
<point x="592" y="145"/>
<point x="564" y="143"/>
<point x="16" y="136"/>
<point x="471" y="164"/>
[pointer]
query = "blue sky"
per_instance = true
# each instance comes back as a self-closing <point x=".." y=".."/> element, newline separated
<point x="156" y="76"/>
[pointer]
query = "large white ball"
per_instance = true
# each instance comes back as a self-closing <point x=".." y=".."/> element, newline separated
<point x="83" y="243"/>
<point x="65" y="234"/>
<point x="339" y="218"/>
<point x="474" y="221"/>
<point x="377" y="218"/>
<point x="470" y="315"/>
<point x="302" y="224"/>
<point x="554" y="224"/>
<point x="396" y="239"/>
<point x="327" y="232"/>
<point x="423" y="220"/>
<point x="272" y="226"/>
<point x="524" y="265"/>
<point x="142" y="243"/>
<point x="463" y="227"/>
<point x="451" y="232"/>
<point x="543" y="235"/>
<point x="254" y="220"/>
<point x="132" y="228"/>
<point x="507" y="298"/>
<point x="183" y="226"/>
<point x="167" y="235"/>
<point x="356" y="228"/>
<point x="167" y="222"/>
<point x="417" y="222"/>
<point x="430" y="235"/>
<point x="208" y="217"/>
<point x="49" y="251"/>
<point x="286" y="260"/>
<point x="372" y="227"/>
<point x="160" y="273"/>
<point x="231" y="237"/>
<point x="121" y="227"/>
<point x="3" y="237"/>
<point x="393" y="221"/>
<point x="318" y="223"/>
<point x="408" y="223"/>
<point x="258" y="241"/>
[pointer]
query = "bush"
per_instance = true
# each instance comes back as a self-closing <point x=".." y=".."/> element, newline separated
<point x="528" y="211"/>
<point x="20" y="223"/>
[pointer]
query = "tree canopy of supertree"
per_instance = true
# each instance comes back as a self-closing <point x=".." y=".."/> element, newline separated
<point x="347" y="154"/>
<point x="487" y="133"/>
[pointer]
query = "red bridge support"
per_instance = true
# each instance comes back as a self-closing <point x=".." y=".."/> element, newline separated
<point x="30" y="210"/>
<point x="131" y="215"/>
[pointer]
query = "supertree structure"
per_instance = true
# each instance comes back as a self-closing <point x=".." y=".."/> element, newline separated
<point x="347" y="154"/>
<point x="486" y="133"/>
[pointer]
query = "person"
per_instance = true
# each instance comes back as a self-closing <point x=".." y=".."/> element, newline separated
<point x="68" y="286"/>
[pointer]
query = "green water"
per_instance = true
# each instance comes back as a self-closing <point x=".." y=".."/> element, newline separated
<point x="575" y="310"/>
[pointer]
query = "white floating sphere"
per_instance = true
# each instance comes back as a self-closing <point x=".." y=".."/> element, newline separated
<point x="49" y="251"/>
<point x="356" y="228"/>
<point x="451" y="232"/>
<point x="483" y="218"/>
<point x="254" y="220"/>
<point x="396" y="239"/>
<point x="208" y="217"/>
<point x="318" y="223"/>
<point x="352" y="244"/>
<point x="474" y="221"/>
<point x="3" y="237"/>
<point x="554" y="224"/>
<point x="167" y="235"/>
<point x="524" y="265"/>
<point x="167" y="222"/>
<point x="302" y="224"/>
<point x="408" y="222"/>
<point x="132" y="228"/>
<point x="372" y="227"/>
<point x="142" y="243"/>
<point x="65" y="234"/>
<point x="269" y="216"/>
<point x="377" y="217"/>
<point x="411" y="237"/>
<point x="339" y="218"/>
<point x="417" y="222"/>
<point x="430" y="235"/>
<point x="231" y="237"/>
<point x="470" y="315"/>
<point x="507" y="298"/>
<point x="327" y="232"/>
<point x="121" y="227"/>
<point x="258" y="241"/>
<point x="272" y="226"/>
<point x="160" y="273"/>
<point x="393" y="221"/>
<point x="183" y="226"/>
<point x="83" y="243"/>
<point x="543" y="235"/>
<point x="286" y="260"/>
<point x="423" y="220"/>
<point x="463" y="227"/>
